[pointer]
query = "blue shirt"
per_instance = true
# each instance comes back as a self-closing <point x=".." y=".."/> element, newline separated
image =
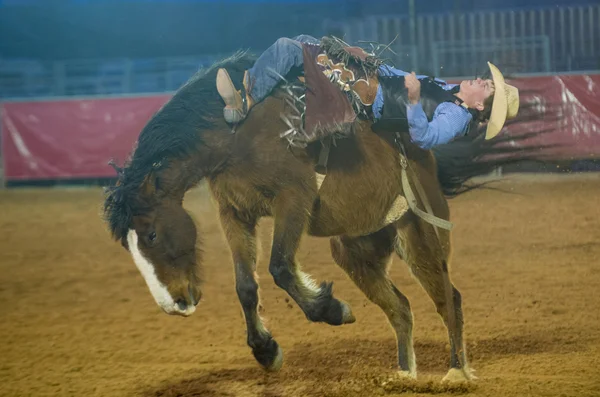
<point x="449" y="120"/>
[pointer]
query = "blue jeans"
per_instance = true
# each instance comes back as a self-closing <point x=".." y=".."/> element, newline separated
<point x="284" y="54"/>
<point x="276" y="61"/>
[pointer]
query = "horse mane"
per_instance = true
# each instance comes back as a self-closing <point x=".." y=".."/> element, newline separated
<point x="171" y="133"/>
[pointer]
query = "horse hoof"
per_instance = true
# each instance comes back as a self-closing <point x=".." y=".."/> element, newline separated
<point x="277" y="363"/>
<point x="400" y="381"/>
<point x="405" y="375"/>
<point x="269" y="355"/>
<point x="335" y="312"/>
<point x="456" y="375"/>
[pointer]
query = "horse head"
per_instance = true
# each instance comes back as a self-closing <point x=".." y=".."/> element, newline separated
<point x="144" y="208"/>
<point x="161" y="237"/>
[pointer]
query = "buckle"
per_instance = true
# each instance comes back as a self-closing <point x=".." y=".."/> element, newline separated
<point x="403" y="162"/>
<point x="402" y="154"/>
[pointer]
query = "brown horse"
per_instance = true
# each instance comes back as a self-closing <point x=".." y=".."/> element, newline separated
<point x="253" y="173"/>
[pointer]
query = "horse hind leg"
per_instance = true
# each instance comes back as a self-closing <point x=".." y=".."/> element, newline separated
<point x="365" y="260"/>
<point x="427" y="257"/>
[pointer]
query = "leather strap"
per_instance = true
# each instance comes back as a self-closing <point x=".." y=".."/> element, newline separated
<point x="413" y="204"/>
<point x="428" y="216"/>
<point x="321" y="166"/>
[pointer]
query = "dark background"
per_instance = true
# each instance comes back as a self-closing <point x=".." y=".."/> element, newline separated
<point x="91" y="29"/>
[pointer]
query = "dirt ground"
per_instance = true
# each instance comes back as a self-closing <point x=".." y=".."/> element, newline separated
<point x="78" y="320"/>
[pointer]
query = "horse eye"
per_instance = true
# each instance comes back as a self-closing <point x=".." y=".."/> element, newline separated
<point x="152" y="237"/>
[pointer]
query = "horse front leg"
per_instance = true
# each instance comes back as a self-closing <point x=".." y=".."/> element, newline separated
<point x="240" y="231"/>
<point x="291" y="215"/>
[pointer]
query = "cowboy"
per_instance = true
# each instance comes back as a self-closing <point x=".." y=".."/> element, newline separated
<point x="490" y="100"/>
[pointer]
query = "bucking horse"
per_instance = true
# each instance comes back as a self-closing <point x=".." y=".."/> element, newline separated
<point x="310" y="157"/>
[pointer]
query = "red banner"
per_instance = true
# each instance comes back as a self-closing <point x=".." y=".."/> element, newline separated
<point x="71" y="138"/>
<point x="566" y="109"/>
<point x="77" y="138"/>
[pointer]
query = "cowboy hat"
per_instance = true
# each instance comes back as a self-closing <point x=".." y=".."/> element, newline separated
<point x="505" y="104"/>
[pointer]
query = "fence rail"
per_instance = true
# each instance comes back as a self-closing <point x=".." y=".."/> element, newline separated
<point x="513" y="54"/>
<point x="560" y="39"/>
<point x="97" y="77"/>
<point x="569" y="38"/>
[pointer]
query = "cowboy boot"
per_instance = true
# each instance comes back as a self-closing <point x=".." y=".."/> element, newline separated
<point x="237" y="103"/>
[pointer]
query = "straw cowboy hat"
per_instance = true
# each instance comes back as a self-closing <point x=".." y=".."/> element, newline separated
<point x="505" y="105"/>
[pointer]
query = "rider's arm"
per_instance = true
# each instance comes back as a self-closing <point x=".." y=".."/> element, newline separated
<point x="390" y="71"/>
<point x="449" y="121"/>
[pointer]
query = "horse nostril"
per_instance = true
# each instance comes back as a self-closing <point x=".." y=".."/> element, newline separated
<point x="181" y="304"/>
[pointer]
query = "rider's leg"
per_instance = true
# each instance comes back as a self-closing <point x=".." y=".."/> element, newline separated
<point x="276" y="61"/>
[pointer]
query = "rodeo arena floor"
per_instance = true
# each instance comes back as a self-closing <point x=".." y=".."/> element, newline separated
<point x="78" y="319"/>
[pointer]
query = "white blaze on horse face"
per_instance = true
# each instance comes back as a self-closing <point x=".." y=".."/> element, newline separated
<point x="158" y="290"/>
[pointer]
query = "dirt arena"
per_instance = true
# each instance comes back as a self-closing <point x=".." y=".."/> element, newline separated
<point x="78" y="320"/>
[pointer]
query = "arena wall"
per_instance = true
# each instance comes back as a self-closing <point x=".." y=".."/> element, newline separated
<point x="75" y="138"/>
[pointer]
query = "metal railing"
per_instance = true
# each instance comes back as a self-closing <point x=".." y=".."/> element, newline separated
<point x="27" y="78"/>
<point x="514" y="54"/>
<point x="560" y="39"/>
<point x="565" y="38"/>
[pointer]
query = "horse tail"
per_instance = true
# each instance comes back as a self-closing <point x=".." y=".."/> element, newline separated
<point x="472" y="156"/>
